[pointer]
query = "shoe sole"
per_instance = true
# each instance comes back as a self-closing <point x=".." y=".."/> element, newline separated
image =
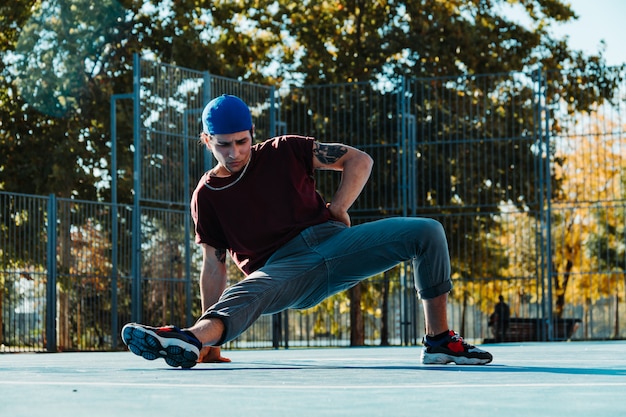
<point x="442" y="359"/>
<point x="149" y="345"/>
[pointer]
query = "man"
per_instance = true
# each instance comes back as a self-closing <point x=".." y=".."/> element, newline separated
<point x="501" y="319"/>
<point x="259" y="203"/>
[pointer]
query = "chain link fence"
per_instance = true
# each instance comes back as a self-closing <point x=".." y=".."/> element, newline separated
<point x="529" y="189"/>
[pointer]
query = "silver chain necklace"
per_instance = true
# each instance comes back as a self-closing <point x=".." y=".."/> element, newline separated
<point x="243" y="171"/>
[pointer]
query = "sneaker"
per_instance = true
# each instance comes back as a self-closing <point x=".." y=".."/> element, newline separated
<point x="452" y="348"/>
<point x="177" y="347"/>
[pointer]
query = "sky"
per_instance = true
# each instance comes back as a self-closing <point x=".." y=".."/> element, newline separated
<point x="598" y="20"/>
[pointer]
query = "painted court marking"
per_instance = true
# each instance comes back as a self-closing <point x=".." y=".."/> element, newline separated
<point x="310" y="387"/>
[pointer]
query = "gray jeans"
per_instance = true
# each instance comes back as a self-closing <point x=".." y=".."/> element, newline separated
<point x="328" y="258"/>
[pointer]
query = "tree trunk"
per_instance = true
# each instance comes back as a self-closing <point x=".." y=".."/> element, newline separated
<point x="463" y="310"/>
<point x="357" y="327"/>
<point x="1" y="315"/>
<point x="616" y="321"/>
<point x="63" y="324"/>
<point x="384" y="320"/>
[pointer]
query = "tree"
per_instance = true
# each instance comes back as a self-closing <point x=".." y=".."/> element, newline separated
<point x="52" y="142"/>
<point x="586" y="226"/>
<point x="594" y="175"/>
<point x="360" y="40"/>
<point x="55" y="95"/>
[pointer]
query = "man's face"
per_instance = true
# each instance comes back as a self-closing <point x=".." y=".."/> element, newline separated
<point x="231" y="150"/>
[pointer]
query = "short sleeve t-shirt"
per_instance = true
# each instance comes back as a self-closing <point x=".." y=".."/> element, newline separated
<point x="273" y="201"/>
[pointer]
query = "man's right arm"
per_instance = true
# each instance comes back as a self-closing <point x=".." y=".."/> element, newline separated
<point x="212" y="285"/>
<point x="212" y="276"/>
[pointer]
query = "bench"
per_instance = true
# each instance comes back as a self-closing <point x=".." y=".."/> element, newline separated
<point x="529" y="330"/>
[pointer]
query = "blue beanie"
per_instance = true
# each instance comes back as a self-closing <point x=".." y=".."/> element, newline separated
<point x="226" y="114"/>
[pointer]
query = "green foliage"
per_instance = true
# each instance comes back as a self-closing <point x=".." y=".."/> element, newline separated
<point x="61" y="60"/>
<point x="52" y="91"/>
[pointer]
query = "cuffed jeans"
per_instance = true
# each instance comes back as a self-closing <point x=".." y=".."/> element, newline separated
<point x="328" y="258"/>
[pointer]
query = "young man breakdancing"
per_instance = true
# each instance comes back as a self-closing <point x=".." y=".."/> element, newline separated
<point x="260" y="204"/>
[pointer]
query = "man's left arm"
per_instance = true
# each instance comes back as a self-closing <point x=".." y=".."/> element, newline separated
<point x="355" y="166"/>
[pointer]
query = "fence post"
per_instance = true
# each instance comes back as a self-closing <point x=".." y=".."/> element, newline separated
<point x="207" y="94"/>
<point x="136" y="299"/>
<point x="403" y="119"/>
<point x="51" y="283"/>
<point x="187" y="228"/>
<point x="114" y="216"/>
<point x="406" y="318"/>
<point x="545" y="215"/>
<point x="545" y="110"/>
<point x="273" y="112"/>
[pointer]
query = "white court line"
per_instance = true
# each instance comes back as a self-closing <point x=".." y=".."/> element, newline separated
<point x="311" y="387"/>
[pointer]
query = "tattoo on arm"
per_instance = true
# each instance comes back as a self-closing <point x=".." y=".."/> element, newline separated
<point x="220" y="254"/>
<point x="329" y="154"/>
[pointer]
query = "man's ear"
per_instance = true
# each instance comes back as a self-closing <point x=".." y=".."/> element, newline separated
<point x="206" y="139"/>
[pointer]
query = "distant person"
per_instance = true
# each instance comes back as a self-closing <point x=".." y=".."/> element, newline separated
<point x="500" y="319"/>
<point x="260" y="204"/>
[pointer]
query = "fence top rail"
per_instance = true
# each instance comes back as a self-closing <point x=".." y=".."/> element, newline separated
<point x="14" y="194"/>
<point x="201" y="73"/>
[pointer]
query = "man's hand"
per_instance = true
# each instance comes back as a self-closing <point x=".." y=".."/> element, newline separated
<point x="355" y="166"/>
<point x="211" y="354"/>
<point x="339" y="215"/>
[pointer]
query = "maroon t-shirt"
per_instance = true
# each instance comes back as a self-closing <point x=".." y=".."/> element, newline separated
<point x="273" y="201"/>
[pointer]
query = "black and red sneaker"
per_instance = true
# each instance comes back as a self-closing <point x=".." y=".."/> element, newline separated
<point x="178" y="347"/>
<point x="452" y="348"/>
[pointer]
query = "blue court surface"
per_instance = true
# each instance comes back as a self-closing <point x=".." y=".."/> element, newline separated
<point x="531" y="379"/>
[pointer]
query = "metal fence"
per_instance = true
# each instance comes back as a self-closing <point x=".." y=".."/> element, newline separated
<point x="529" y="190"/>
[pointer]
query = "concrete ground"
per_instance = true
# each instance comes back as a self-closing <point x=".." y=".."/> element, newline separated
<point x="530" y="379"/>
